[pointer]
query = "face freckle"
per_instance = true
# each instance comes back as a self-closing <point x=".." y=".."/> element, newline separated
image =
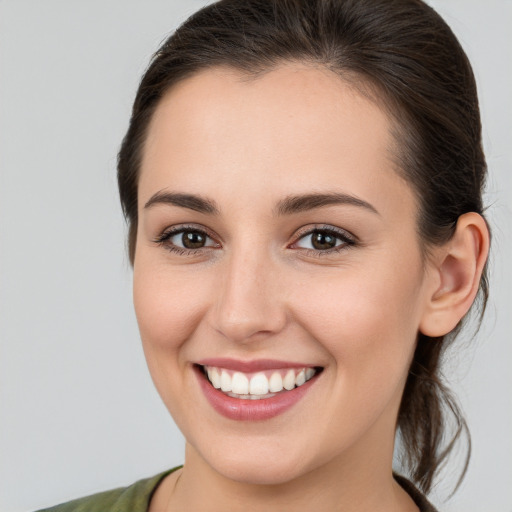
<point x="261" y="288"/>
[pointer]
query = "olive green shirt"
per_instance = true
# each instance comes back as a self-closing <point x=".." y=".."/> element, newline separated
<point x="134" y="498"/>
<point x="137" y="496"/>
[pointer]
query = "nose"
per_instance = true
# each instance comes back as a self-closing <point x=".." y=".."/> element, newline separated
<point x="248" y="303"/>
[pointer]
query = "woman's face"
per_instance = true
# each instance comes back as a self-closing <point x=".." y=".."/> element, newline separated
<point x="275" y="236"/>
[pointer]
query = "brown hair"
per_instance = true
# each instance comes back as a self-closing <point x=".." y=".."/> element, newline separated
<point x="413" y="63"/>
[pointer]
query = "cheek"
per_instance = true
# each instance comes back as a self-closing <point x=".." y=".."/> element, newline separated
<point x="368" y="326"/>
<point x="168" y="306"/>
<point x="366" y="320"/>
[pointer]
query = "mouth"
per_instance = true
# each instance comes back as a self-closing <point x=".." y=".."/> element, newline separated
<point x="254" y="391"/>
<point x="258" y="385"/>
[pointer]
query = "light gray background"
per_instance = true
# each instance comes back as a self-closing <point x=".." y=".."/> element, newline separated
<point x="78" y="412"/>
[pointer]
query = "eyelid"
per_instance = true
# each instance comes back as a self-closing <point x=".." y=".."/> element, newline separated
<point x="342" y="233"/>
<point x="171" y="231"/>
<point x="347" y="238"/>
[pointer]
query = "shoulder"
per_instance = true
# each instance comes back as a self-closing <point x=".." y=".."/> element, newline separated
<point x="134" y="498"/>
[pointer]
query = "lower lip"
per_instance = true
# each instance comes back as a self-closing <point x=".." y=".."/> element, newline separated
<point x="251" y="410"/>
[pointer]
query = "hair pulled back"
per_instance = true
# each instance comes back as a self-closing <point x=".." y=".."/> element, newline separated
<point x="409" y="59"/>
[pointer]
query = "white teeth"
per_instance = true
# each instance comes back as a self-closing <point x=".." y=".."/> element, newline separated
<point x="250" y="397"/>
<point x="225" y="381"/>
<point x="275" y="383"/>
<point x="214" y="376"/>
<point x="240" y="384"/>
<point x="289" y="380"/>
<point x="259" y="385"/>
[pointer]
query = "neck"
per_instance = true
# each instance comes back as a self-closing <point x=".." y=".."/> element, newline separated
<point x="348" y="484"/>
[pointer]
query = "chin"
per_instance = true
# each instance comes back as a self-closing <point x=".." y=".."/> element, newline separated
<point x="267" y="472"/>
<point x="269" y="465"/>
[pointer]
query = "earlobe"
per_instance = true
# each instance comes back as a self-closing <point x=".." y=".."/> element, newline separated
<point x="456" y="271"/>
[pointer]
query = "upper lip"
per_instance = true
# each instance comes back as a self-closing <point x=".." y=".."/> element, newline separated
<point x="251" y="366"/>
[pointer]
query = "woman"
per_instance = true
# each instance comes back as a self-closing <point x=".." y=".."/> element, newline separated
<point x="302" y="182"/>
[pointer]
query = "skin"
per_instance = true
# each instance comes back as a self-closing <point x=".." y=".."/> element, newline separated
<point x="246" y="145"/>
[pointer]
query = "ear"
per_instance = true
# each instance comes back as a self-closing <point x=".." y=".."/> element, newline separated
<point x="454" y="275"/>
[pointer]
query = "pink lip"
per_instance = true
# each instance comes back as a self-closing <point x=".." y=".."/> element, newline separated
<point x="251" y="410"/>
<point x="257" y="365"/>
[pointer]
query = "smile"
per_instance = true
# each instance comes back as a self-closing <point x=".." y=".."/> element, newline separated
<point x="254" y="391"/>
<point x="256" y="386"/>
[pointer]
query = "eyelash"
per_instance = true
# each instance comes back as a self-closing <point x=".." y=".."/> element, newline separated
<point x="347" y="239"/>
<point x="164" y="238"/>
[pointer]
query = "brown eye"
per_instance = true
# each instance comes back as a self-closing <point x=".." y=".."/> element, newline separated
<point x="193" y="240"/>
<point x="186" y="240"/>
<point x="323" y="241"/>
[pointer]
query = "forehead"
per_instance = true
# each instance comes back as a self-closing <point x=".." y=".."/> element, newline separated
<point x="297" y="128"/>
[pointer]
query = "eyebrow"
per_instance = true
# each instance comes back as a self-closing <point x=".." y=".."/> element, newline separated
<point x="304" y="202"/>
<point x="287" y="206"/>
<point x="190" y="201"/>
